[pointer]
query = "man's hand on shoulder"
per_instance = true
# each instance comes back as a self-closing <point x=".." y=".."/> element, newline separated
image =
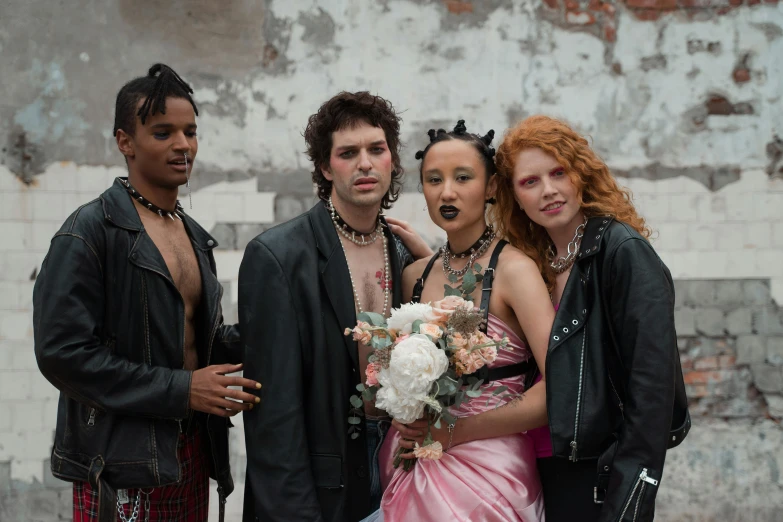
<point x="210" y="392"/>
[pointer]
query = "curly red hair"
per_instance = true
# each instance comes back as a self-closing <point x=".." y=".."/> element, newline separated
<point x="598" y="192"/>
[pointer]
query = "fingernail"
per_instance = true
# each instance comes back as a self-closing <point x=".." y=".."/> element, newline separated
<point x="258" y="386"/>
<point x="258" y="400"/>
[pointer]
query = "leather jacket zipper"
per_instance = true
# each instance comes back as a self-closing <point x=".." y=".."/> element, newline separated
<point x="640" y="484"/>
<point x="619" y="401"/>
<point x="91" y="420"/>
<point x="578" y="399"/>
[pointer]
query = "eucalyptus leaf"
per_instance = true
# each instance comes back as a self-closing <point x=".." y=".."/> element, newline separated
<point x="451" y="291"/>
<point x="360" y="387"/>
<point x="472" y="381"/>
<point x="372" y="318"/>
<point x="499" y="390"/>
<point x="380" y="342"/>
<point x="356" y="402"/>
<point x="453" y="278"/>
<point x="477" y="267"/>
<point x="473" y="394"/>
<point x="369" y="393"/>
<point x="354" y="436"/>
<point x="468" y="279"/>
<point x="416" y="324"/>
<point x="448" y="417"/>
<point x="437" y="424"/>
<point x="354" y="420"/>
<point x="468" y="287"/>
<point x="479" y="278"/>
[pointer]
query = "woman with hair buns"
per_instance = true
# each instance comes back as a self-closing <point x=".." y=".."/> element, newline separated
<point x="614" y="389"/>
<point x="487" y="471"/>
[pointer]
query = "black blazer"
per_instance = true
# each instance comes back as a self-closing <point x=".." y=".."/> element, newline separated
<point x="295" y="301"/>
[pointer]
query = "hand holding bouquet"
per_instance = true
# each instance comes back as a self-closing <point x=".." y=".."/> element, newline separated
<point x="419" y="359"/>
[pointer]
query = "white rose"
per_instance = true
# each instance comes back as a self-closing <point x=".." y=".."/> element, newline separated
<point x="404" y="408"/>
<point x="415" y="364"/>
<point x="402" y="318"/>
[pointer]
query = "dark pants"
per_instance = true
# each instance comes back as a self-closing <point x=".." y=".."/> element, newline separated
<point x="568" y="489"/>
<point x="376" y="432"/>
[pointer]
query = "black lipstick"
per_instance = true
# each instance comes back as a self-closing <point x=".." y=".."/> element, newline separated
<point x="448" y="211"/>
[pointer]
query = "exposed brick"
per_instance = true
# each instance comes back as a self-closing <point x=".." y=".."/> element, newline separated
<point x="719" y="106"/>
<point x="652" y="4"/>
<point x="727" y="361"/>
<point x="596" y="5"/>
<point x="552" y="4"/>
<point x="706" y="363"/>
<point x="647" y="15"/>
<point x="735" y="2"/>
<point x="458" y="7"/>
<point x="696" y="391"/>
<point x="610" y="35"/>
<point x="703" y="3"/>
<point x="707" y="376"/>
<point x="571" y="5"/>
<point x="774" y="405"/>
<point x="741" y="75"/>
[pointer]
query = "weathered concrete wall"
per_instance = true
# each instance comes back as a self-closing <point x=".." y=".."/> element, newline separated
<point x="681" y="97"/>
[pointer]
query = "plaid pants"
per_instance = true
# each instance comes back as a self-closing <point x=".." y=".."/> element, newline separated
<point x="187" y="501"/>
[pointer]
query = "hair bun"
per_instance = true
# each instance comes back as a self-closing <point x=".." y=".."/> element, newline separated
<point x="419" y="154"/>
<point x="460" y="127"/>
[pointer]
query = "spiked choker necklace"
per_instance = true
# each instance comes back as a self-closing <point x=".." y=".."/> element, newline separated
<point x="486" y="237"/>
<point x="151" y="206"/>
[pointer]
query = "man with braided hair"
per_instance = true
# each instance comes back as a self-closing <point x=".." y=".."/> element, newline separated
<point x="128" y="326"/>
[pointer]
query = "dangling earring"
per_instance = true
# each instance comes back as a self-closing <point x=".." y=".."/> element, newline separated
<point x="187" y="175"/>
<point x="425" y="208"/>
<point x="520" y="207"/>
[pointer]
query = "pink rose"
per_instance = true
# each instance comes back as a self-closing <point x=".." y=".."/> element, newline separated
<point x="372" y="374"/>
<point x="402" y="338"/>
<point x="445" y="307"/>
<point x="458" y="341"/>
<point x="432" y="451"/>
<point x="430" y="329"/>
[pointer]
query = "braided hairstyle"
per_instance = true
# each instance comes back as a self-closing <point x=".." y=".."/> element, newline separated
<point x="160" y="83"/>
<point x="460" y="132"/>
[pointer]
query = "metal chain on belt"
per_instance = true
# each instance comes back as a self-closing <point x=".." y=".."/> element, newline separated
<point x="135" y="513"/>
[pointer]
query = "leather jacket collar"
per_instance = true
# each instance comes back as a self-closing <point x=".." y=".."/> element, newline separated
<point x="119" y="210"/>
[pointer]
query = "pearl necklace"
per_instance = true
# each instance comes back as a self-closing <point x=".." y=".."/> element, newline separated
<point x="386" y="270"/>
<point x="563" y="263"/>
<point x="445" y="252"/>
<point x="349" y="233"/>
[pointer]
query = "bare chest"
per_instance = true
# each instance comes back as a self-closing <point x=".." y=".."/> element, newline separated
<point x="175" y="247"/>
<point x="371" y="278"/>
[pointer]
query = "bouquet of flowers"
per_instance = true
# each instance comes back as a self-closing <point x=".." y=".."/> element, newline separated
<point x="419" y="359"/>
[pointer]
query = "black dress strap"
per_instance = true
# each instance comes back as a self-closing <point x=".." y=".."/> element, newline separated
<point x="418" y="288"/>
<point x="486" y="282"/>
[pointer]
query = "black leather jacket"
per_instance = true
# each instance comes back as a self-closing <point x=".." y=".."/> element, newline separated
<point x="109" y="334"/>
<point x="605" y="406"/>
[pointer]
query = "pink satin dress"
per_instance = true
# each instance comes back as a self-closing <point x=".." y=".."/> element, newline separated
<point x="491" y="480"/>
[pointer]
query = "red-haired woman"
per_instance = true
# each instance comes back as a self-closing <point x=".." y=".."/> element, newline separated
<point x="613" y="378"/>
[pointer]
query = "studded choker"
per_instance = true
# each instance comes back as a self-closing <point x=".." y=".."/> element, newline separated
<point x="151" y="206"/>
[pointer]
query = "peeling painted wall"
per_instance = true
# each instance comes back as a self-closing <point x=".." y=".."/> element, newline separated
<point x="681" y="97"/>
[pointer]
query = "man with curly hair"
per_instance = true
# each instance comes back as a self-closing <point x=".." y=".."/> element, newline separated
<point x="301" y="284"/>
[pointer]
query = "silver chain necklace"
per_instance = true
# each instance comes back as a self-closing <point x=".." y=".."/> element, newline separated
<point x="445" y="253"/>
<point x="563" y="263"/>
